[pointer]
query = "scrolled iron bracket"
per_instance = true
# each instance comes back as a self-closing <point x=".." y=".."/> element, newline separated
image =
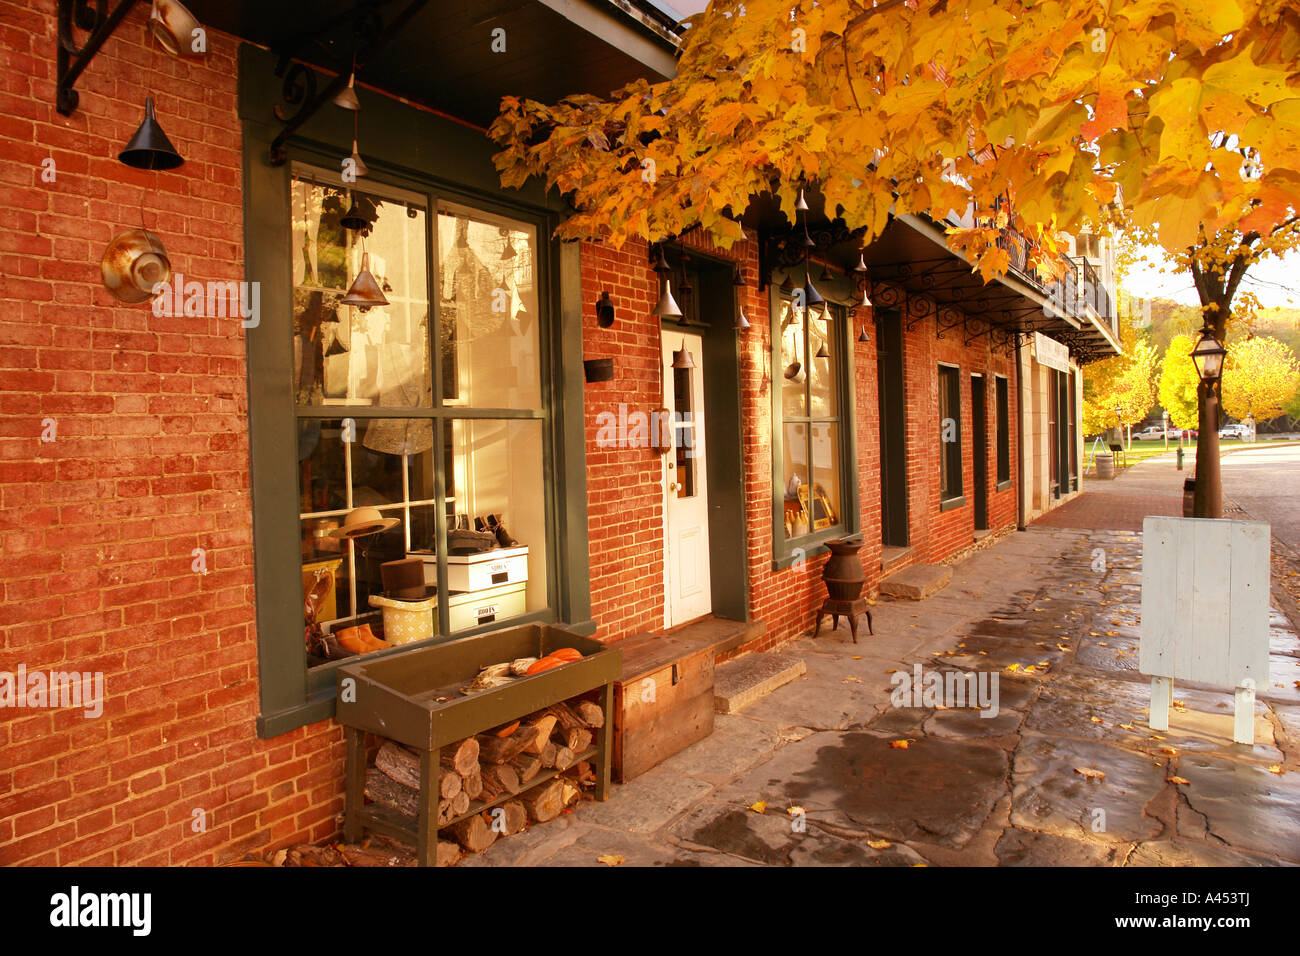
<point x="93" y="19"/>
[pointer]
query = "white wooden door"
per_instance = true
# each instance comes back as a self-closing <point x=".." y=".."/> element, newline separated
<point x="686" y="499"/>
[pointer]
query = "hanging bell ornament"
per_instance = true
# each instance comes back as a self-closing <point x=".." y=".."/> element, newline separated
<point x="667" y="306"/>
<point x="150" y="148"/>
<point x="364" y="291"/>
<point x="801" y="205"/>
<point x="862" y="336"/>
<point x="354" y="219"/>
<point x="358" y="164"/>
<point x="741" y="324"/>
<point x="347" y="97"/>
<point x="682" y="358"/>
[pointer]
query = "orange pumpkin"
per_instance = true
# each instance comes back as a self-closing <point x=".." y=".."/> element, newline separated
<point x="566" y="654"/>
<point x="545" y="664"/>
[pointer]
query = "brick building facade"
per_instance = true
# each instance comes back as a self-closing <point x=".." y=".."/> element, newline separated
<point x="128" y="475"/>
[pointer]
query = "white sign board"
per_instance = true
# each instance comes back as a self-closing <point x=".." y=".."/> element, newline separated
<point x="1205" y="585"/>
<point x="1051" y="352"/>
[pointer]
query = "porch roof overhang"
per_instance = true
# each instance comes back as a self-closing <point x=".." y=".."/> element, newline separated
<point x="912" y="266"/>
<point x="442" y="57"/>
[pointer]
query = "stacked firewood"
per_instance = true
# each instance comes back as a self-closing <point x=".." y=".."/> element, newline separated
<point x="490" y="766"/>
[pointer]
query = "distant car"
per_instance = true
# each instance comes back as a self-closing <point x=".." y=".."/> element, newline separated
<point x="1153" y="433"/>
<point x="1234" y="431"/>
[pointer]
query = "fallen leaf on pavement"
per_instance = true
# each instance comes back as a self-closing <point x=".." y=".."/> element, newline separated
<point x="1095" y="720"/>
<point x="610" y="859"/>
<point x="1090" y="773"/>
<point x="1127" y="726"/>
<point x="759" y="807"/>
<point x="851" y="680"/>
<point x="795" y="811"/>
<point x="1012" y="668"/>
<point x="899" y="744"/>
<point x="879" y="844"/>
<point x="1176" y="779"/>
<point x="1276" y="768"/>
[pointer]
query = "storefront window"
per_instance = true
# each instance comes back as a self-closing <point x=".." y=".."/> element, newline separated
<point x="486" y="532"/>
<point x="811" y="436"/>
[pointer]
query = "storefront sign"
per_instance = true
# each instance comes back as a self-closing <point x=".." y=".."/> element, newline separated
<point x="1051" y="352"/>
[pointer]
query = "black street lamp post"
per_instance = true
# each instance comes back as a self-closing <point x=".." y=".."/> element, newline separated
<point x="1208" y="356"/>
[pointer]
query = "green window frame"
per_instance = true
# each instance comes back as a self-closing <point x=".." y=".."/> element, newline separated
<point x="790" y="548"/>
<point x="459" y="171"/>
<point x="1003" y="394"/>
<point x="950" y="477"/>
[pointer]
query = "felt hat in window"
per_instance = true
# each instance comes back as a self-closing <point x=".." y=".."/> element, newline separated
<point x="363" y="521"/>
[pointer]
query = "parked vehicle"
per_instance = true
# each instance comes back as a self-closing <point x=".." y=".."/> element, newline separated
<point x="1153" y="433"/>
<point x="1234" y="431"/>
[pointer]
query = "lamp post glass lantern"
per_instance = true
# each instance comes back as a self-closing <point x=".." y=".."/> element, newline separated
<point x="1208" y="356"/>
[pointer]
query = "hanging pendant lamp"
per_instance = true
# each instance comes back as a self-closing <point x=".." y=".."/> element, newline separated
<point x="862" y="336"/>
<point x="810" y="294"/>
<point x="666" y="307"/>
<point x="682" y="358"/>
<point x="150" y="148"/>
<point x="822" y="353"/>
<point x="364" y="291"/>
<point x="741" y="324"/>
<point x="801" y="205"/>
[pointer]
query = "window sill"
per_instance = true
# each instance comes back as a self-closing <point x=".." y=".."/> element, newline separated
<point x="1004" y="485"/>
<point x="952" y="503"/>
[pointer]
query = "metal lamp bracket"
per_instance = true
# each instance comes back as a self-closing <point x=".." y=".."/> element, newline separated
<point x="89" y="17"/>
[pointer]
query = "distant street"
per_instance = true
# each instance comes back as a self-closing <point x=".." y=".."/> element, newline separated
<point x="1266" y="483"/>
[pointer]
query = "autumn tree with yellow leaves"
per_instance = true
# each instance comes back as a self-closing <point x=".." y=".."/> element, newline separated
<point x="1043" y="115"/>
<point x="1260" y="378"/>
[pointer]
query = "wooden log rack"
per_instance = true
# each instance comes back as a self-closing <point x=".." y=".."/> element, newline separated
<point x="414" y="698"/>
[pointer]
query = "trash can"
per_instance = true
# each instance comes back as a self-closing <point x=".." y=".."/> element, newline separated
<point x="1105" y="466"/>
<point x="1189" y="497"/>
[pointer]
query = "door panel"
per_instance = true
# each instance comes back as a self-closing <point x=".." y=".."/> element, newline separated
<point x="686" y="506"/>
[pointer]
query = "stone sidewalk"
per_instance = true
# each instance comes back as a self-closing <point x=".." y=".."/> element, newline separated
<point x="970" y="790"/>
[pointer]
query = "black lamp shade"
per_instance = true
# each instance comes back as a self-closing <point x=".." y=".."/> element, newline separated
<point x="1208" y="356"/>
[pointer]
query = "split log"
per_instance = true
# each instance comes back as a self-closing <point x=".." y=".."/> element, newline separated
<point x="447" y="854"/>
<point x="498" y="750"/>
<point x="475" y="833"/>
<point x="401" y="764"/>
<point x="569" y="790"/>
<point x="449" y="784"/>
<point x="515" y="816"/>
<point x="591" y="714"/>
<point x="564" y="758"/>
<point x="462" y="757"/>
<point x="526" y="766"/>
<point x="544" y="802"/>
<point x="586" y="775"/>
<point x="502" y="779"/>
<point x="472" y="786"/>
<point x="387" y="792"/>
<point x="577" y="739"/>
<point x="452" y="808"/>
<point x="548" y="754"/>
<point x="566" y="716"/>
<point x="541" y="727"/>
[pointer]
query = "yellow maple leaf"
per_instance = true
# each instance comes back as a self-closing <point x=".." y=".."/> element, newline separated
<point x="899" y="744"/>
<point x="851" y="680"/>
<point x="1177" y="780"/>
<point x="759" y="806"/>
<point x="611" y="859"/>
<point x="1276" y="768"/>
<point x="1012" y="668"/>
<point x="795" y="811"/>
<point x="879" y="844"/>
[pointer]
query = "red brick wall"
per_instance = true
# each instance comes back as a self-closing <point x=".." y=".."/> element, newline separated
<point x="149" y="461"/>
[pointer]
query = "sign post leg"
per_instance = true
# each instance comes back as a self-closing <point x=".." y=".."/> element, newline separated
<point x="1243" y="723"/>
<point x="1162" y="695"/>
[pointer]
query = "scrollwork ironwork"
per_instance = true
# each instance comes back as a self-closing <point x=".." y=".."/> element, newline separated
<point x="98" y="23"/>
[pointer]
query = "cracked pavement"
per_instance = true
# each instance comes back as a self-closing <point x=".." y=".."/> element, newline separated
<point x="969" y="790"/>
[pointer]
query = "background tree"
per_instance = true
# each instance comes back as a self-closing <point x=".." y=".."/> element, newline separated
<point x="1260" y="378"/>
<point x="1034" y="114"/>
<point x="1178" y="382"/>
<point x="1125" y="381"/>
